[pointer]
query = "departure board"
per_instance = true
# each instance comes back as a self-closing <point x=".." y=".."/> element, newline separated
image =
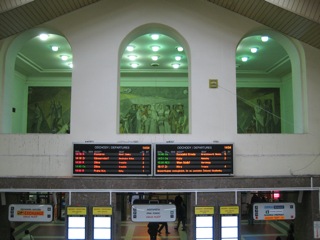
<point x="112" y="159"/>
<point x="193" y="159"/>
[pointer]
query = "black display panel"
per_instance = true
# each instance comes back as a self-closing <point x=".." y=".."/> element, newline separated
<point x="112" y="159"/>
<point x="193" y="159"/>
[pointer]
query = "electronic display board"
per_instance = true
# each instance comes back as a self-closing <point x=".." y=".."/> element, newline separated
<point x="193" y="159"/>
<point x="112" y="159"/>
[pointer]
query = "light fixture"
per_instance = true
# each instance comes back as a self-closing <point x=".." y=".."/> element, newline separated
<point x="244" y="59"/>
<point x="55" y="48"/>
<point x="43" y="36"/>
<point x="176" y="65"/>
<point x="132" y="57"/>
<point x="70" y="65"/>
<point x="64" y="57"/>
<point x="130" y="48"/>
<point x="177" y="58"/>
<point x="254" y="49"/>
<point x="264" y="38"/>
<point x="155" y="36"/>
<point x="155" y="58"/>
<point x="180" y="49"/>
<point x="155" y="48"/>
<point x="134" y="65"/>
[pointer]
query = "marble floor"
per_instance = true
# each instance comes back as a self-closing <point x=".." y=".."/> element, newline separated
<point x="138" y="231"/>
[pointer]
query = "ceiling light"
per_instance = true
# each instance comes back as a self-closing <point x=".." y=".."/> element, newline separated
<point x="130" y="48"/>
<point x="55" y="48"/>
<point x="264" y="38"/>
<point x="254" y="50"/>
<point x="43" y="36"/>
<point x="177" y="58"/>
<point x="70" y="65"/>
<point x="155" y="58"/>
<point x="134" y="65"/>
<point x="155" y="48"/>
<point x="132" y="57"/>
<point x="176" y="65"/>
<point x="155" y="36"/>
<point x="180" y="49"/>
<point x="64" y="57"/>
<point x="244" y="59"/>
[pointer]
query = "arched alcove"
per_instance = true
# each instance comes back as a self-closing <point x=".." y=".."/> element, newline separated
<point x="269" y="84"/>
<point x="154" y="83"/>
<point x="37" y="84"/>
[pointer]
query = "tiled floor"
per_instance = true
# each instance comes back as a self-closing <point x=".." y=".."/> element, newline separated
<point x="138" y="231"/>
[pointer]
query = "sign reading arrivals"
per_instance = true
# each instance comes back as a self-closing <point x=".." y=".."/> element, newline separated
<point x="274" y="211"/>
<point x="30" y="213"/>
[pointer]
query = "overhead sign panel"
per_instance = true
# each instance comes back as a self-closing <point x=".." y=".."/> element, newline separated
<point x="153" y="213"/>
<point x="274" y="211"/>
<point x="112" y="159"/>
<point x="30" y="213"/>
<point x="193" y="159"/>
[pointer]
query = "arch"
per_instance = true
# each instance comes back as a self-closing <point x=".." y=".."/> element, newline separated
<point x="167" y="32"/>
<point x="297" y="81"/>
<point x="14" y="46"/>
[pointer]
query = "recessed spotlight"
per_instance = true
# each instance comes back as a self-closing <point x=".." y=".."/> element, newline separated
<point x="64" y="57"/>
<point x="244" y="59"/>
<point x="264" y="38"/>
<point x="70" y="65"/>
<point x="176" y="65"/>
<point x="134" y="65"/>
<point x="254" y="50"/>
<point x="43" y="36"/>
<point x="180" y="49"/>
<point x="177" y="58"/>
<point x="130" y="48"/>
<point x="132" y="57"/>
<point x="55" y="48"/>
<point x="155" y="36"/>
<point x="155" y="48"/>
<point x="155" y="58"/>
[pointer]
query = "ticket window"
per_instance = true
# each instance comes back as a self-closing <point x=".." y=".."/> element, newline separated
<point x="102" y="227"/>
<point x="204" y="223"/>
<point x="76" y="227"/>
<point x="229" y="226"/>
<point x="76" y="223"/>
<point x="102" y="222"/>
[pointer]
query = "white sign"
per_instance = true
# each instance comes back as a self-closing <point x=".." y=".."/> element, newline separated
<point x="30" y="213"/>
<point x="274" y="211"/>
<point x="316" y="229"/>
<point x="153" y="213"/>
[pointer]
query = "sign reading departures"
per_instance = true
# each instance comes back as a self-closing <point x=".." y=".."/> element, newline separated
<point x="166" y="159"/>
<point x="112" y="159"/>
<point x="194" y="159"/>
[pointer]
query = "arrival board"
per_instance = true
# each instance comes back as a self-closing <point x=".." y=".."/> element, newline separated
<point x="112" y="159"/>
<point x="193" y="159"/>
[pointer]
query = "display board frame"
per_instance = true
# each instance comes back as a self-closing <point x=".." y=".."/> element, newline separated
<point x="108" y="156"/>
<point x="192" y="152"/>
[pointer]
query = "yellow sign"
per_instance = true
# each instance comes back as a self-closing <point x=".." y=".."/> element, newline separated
<point x="226" y="210"/>
<point x="102" y="211"/>
<point x="204" y="210"/>
<point x="76" y="211"/>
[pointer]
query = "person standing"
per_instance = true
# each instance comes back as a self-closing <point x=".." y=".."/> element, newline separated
<point x="27" y="235"/>
<point x="181" y="214"/>
<point x="153" y="230"/>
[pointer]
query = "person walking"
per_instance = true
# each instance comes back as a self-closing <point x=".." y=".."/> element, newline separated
<point x="153" y="230"/>
<point x="163" y="225"/>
